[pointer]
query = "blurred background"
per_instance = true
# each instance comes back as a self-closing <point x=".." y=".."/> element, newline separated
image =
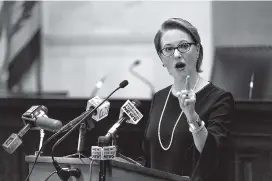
<point x="75" y="44"/>
<point x="55" y="52"/>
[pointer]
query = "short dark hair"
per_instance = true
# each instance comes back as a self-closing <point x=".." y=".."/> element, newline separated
<point x="180" y="24"/>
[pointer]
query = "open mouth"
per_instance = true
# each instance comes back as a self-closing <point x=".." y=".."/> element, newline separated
<point x="180" y="66"/>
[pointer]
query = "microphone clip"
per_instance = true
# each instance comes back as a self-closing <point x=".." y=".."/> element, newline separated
<point x="65" y="173"/>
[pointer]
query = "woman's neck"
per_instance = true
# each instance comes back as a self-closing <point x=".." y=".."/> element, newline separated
<point x="179" y="83"/>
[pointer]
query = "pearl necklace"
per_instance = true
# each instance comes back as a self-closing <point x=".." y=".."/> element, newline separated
<point x="159" y="127"/>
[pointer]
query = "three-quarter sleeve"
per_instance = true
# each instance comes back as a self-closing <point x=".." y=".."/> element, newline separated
<point x="217" y="124"/>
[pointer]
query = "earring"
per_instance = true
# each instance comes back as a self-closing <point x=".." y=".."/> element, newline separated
<point x="163" y="65"/>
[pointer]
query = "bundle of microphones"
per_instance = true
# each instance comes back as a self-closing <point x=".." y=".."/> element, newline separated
<point x="97" y="109"/>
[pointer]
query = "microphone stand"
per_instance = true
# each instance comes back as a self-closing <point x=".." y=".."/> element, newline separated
<point x="80" y="143"/>
<point x="114" y="142"/>
<point x="41" y="142"/>
<point x="103" y="164"/>
<point x="63" y="174"/>
<point x="143" y="79"/>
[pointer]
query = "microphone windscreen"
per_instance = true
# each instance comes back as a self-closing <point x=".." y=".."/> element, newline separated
<point x="123" y="84"/>
<point x="137" y="62"/>
<point x="48" y="124"/>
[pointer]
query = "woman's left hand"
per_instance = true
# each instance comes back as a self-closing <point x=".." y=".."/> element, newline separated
<point x="187" y="100"/>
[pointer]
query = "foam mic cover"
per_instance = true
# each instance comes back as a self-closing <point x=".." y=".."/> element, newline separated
<point x="123" y="84"/>
<point x="48" y="124"/>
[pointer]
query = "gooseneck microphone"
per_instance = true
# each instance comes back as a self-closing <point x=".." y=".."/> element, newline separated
<point x="68" y="126"/>
<point x="143" y="79"/>
<point x="81" y="138"/>
<point x="99" y="114"/>
<point x="123" y="84"/>
<point x="32" y="118"/>
<point x="129" y="113"/>
<point x="64" y="174"/>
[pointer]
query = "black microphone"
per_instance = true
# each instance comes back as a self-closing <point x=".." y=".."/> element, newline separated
<point x="64" y="172"/>
<point x="48" y="124"/>
<point x="81" y="138"/>
<point x="129" y="113"/>
<point x="143" y="79"/>
<point x="32" y="118"/>
<point x="36" y="116"/>
<point x="123" y="84"/>
<point x="83" y="116"/>
<point x="98" y="112"/>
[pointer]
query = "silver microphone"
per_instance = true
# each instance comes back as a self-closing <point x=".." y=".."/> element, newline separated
<point x="143" y="79"/>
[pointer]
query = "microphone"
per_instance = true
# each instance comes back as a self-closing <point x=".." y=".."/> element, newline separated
<point x="75" y="122"/>
<point x="37" y="116"/>
<point x="98" y="86"/>
<point x="129" y="113"/>
<point x="48" y="124"/>
<point x="123" y="84"/>
<point x="143" y="79"/>
<point x="33" y="117"/>
<point x="100" y="113"/>
<point x="81" y="138"/>
<point x="61" y="171"/>
<point x="65" y="173"/>
<point x="98" y="107"/>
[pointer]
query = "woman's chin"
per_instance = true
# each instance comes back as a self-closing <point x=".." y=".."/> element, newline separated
<point x="180" y="74"/>
<point x="181" y="71"/>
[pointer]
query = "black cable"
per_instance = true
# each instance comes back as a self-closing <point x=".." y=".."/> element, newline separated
<point x="76" y="125"/>
<point x="50" y="175"/>
<point x="39" y="152"/>
<point x="43" y="146"/>
<point x="87" y="113"/>
<point x="65" y="174"/>
<point x="66" y="134"/>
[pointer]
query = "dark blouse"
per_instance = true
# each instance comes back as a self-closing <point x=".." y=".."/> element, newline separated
<point x="214" y="106"/>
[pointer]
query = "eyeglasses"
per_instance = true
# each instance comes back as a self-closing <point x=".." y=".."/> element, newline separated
<point x="182" y="48"/>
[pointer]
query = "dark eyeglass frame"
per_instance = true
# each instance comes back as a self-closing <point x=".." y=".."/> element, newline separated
<point x="177" y="47"/>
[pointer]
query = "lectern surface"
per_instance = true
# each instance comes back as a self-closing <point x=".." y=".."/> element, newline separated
<point x="121" y="171"/>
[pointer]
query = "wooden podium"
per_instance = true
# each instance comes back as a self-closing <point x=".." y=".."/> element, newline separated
<point x="121" y="170"/>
